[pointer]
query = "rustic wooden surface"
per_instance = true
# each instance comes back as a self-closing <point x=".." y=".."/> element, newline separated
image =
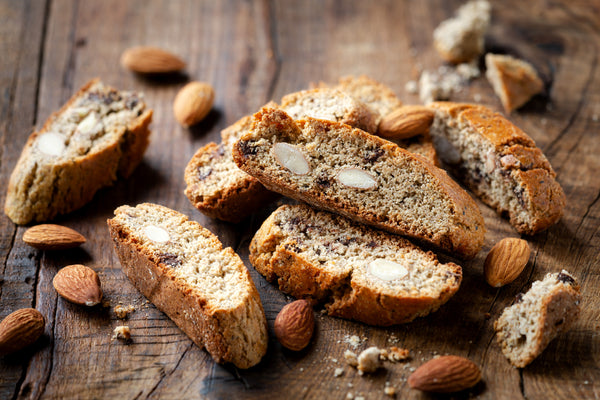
<point x="251" y="52"/>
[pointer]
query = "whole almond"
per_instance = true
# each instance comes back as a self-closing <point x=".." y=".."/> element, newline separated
<point x="445" y="374"/>
<point x="295" y="324"/>
<point x="52" y="237"/>
<point x="405" y="122"/>
<point x="78" y="284"/>
<point x="20" y="329"/>
<point x="193" y="103"/>
<point x="151" y="60"/>
<point x="505" y="262"/>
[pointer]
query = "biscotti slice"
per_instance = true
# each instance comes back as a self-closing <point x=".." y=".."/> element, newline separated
<point x="331" y="105"/>
<point x="358" y="272"/>
<point x="499" y="163"/>
<point x="98" y="135"/>
<point x="183" y="269"/>
<point x="217" y="187"/>
<point x="514" y="81"/>
<point x="371" y="180"/>
<point x="461" y="39"/>
<point x="526" y="328"/>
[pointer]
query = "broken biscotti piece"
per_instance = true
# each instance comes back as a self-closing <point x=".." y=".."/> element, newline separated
<point x="461" y="38"/>
<point x="499" y="163"/>
<point x="551" y="306"/>
<point x="358" y="272"/>
<point x="514" y="81"/>
<point x="331" y="105"/>
<point x="350" y="172"/>
<point x="217" y="187"/>
<point x="98" y="135"/>
<point x="183" y="269"/>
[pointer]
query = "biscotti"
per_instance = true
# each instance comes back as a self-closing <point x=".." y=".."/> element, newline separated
<point x="357" y="272"/>
<point x="371" y="180"/>
<point x="514" y="81"/>
<point x="499" y="163"/>
<point x="183" y="269"/>
<point x="525" y="329"/>
<point x="98" y="135"/>
<point x="217" y="187"/>
<point x="331" y="105"/>
<point x="461" y="39"/>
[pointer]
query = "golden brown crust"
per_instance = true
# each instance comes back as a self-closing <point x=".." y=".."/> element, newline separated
<point x="348" y="292"/>
<point x="463" y="235"/>
<point x="41" y="191"/>
<point x="535" y="186"/>
<point x="211" y="327"/>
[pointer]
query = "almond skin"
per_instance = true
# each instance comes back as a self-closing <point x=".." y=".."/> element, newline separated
<point x="78" y="284"/>
<point x="294" y="325"/>
<point x="52" y="237"/>
<point x="445" y="374"/>
<point x="505" y="262"/>
<point x="151" y="60"/>
<point x="193" y="102"/>
<point x="405" y="122"/>
<point x="20" y="329"/>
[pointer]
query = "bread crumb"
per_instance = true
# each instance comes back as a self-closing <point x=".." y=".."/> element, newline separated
<point x="368" y="360"/>
<point x="443" y="83"/>
<point x="389" y="390"/>
<point x="338" y="372"/>
<point x="122" y="332"/>
<point x="349" y="396"/>
<point x="412" y="87"/>
<point x="351" y="358"/>
<point x="353" y="340"/>
<point x="396" y="354"/>
<point x="122" y="312"/>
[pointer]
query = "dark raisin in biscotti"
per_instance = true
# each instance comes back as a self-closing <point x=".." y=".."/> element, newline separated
<point x="350" y="172"/>
<point x="358" y="272"/>
<point x="526" y="328"/>
<point x="183" y="269"/>
<point x="499" y="163"/>
<point x="98" y="135"/>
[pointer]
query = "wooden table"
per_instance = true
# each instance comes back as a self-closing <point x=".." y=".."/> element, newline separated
<point x="252" y="52"/>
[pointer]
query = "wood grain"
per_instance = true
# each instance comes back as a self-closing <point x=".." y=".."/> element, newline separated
<point x="252" y="52"/>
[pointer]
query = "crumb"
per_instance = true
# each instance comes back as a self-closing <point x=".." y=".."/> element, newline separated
<point x="389" y="390"/>
<point x="368" y="360"/>
<point x="393" y="339"/>
<point x="123" y="312"/>
<point x="105" y="303"/>
<point x="349" y="396"/>
<point x="468" y="71"/>
<point x="353" y="341"/>
<point x="338" y="372"/>
<point x="395" y="354"/>
<point x="412" y="87"/>
<point x="359" y="398"/>
<point x="595" y="118"/>
<point x="487" y="315"/>
<point x="301" y="369"/>
<point x="122" y="332"/>
<point x="477" y="97"/>
<point x="351" y="358"/>
<point x="350" y="384"/>
<point x="445" y="81"/>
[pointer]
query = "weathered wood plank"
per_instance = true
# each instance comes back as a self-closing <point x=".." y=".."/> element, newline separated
<point x="252" y="52"/>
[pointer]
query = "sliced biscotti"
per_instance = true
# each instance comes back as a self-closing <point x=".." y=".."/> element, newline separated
<point x="371" y="180"/>
<point x="183" y="269"/>
<point x="331" y="105"/>
<point x="514" y="81"/>
<point x="357" y="272"/>
<point x="499" y="163"/>
<point x="551" y="306"/>
<point x="99" y="134"/>
<point x="217" y="187"/>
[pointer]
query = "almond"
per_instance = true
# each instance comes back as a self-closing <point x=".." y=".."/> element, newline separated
<point x="405" y="122"/>
<point x="78" y="284"/>
<point x="445" y="374"/>
<point x="505" y="262"/>
<point x="151" y="60"/>
<point x="295" y="324"/>
<point x="20" y="329"/>
<point x="52" y="237"/>
<point x="193" y="103"/>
